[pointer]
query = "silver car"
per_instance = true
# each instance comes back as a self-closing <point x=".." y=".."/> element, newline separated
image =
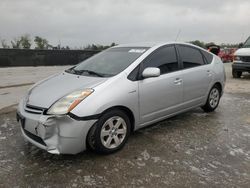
<point x="99" y="102"/>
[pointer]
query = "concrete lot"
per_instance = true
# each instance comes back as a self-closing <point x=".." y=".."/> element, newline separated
<point x="195" y="149"/>
<point x="15" y="81"/>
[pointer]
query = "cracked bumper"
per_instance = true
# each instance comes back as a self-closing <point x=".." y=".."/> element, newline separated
<point x="56" y="134"/>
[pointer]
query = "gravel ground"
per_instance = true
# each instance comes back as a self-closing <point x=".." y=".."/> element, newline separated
<point x="194" y="149"/>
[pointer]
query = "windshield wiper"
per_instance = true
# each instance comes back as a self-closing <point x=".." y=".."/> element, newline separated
<point x="71" y="70"/>
<point x="89" y="72"/>
<point x="80" y="72"/>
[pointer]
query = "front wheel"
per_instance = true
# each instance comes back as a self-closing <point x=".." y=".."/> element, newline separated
<point x="213" y="99"/>
<point x="236" y="74"/>
<point x="110" y="133"/>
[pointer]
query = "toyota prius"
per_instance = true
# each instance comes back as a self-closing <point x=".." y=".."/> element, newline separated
<point x="100" y="101"/>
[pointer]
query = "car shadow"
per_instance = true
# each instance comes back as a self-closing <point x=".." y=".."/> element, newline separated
<point x="245" y="76"/>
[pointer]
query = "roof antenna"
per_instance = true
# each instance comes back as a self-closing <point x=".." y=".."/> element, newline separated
<point x="178" y="34"/>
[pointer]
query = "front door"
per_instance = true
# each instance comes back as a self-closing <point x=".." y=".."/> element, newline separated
<point x="160" y="96"/>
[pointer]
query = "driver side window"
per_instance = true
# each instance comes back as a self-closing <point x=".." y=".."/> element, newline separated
<point x="164" y="58"/>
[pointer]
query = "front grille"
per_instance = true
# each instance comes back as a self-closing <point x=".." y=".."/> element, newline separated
<point x="34" y="109"/>
<point x="245" y="58"/>
<point x="34" y="137"/>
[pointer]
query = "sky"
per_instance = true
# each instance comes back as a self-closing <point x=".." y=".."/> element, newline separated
<point x="77" y="23"/>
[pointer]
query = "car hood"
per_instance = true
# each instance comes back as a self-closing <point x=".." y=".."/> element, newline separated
<point x="48" y="91"/>
<point x="243" y="52"/>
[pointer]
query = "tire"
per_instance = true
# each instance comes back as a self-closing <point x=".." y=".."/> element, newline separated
<point x="110" y="133"/>
<point x="213" y="99"/>
<point x="236" y="74"/>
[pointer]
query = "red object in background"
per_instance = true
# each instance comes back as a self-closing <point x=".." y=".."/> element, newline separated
<point x="227" y="54"/>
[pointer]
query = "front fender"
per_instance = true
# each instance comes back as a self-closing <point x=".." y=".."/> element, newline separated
<point x="116" y="92"/>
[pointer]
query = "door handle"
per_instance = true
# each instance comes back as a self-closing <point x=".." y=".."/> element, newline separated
<point x="178" y="81"/>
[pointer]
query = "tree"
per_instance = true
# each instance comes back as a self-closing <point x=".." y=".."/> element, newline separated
<point x="41" y="43"/>
<point x="223" y="45"/>
<point x="94" y="47"/>
<point x="113" y="44"/>
<point x="98" y="46"/>
<point x="25" y="41"/>
<point x="198" y="43"/>
<point x="21" y="42"/>
<point x="16" y="43"/>
<point x="4" y="44"/>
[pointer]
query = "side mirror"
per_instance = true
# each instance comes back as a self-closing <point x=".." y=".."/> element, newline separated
<point x="240" y="45"/>
<point x="151" y="72"/>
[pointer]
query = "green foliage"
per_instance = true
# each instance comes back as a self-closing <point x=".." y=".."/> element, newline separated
<point x="198" y="43"/>
<point x="25" y="41"/>
<point x="98" y="46"/>
<point x="41" y="43"/>
<point x="21" y="42"/>
<point x="16" y="43"/>
<point x="223" y="45"/>
<point x="113" y="44"/>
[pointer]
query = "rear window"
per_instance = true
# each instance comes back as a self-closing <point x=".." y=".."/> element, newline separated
<point x="191" y="57"/>
<point x="208" y="56"/>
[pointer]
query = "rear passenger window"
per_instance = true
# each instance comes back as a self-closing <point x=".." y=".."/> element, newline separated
<point x="208" y="56"/>
<point x="191" y="57"/>
<point x="164" y="58"/>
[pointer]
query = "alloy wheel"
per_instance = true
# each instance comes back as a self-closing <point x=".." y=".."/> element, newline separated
<point x="214" y="97"/>
<point x="113" y="132"/>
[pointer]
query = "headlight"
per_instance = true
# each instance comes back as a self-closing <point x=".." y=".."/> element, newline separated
<point x="69" y="102"/>
<point x="237" y="58"/>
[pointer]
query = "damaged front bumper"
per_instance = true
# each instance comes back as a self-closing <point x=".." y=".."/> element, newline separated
<point x="56" y="134"/>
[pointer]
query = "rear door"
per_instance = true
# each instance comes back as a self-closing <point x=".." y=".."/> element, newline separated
<point x="196" y="74"/>
<point x="160" y="96"/>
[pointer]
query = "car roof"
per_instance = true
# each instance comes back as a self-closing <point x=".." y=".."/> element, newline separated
<point x="151" y="44"/>
<point x="155" y="45"/>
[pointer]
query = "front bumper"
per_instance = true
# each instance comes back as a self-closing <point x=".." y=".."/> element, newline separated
<point x="56" y="134"/>
<point x="241" y="66"/>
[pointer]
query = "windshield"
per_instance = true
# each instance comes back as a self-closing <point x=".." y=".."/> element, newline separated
<point x="108" y="63"/>
<point x="247" y="43"/>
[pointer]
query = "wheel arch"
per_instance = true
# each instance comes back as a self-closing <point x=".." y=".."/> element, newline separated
<point x="220" y="87"/>
<point x="127" y="111"/>
<point x="118" y="107"/>
<point x="219" y="84"/>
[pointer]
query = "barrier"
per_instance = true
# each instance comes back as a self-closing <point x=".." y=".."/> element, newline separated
<point x="33" y="57"/>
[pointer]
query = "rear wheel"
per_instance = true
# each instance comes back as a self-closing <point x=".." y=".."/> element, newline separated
<point x="110" y="133"/>
<point x="213" y="99"/>
<point x="236" y="74"/>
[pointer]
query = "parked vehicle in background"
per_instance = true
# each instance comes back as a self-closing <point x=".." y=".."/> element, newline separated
<point x="241" y="61"/>
<point x="100" y="101"/>
<point x="227" y="54"/>
<point x="213" y="48"/>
